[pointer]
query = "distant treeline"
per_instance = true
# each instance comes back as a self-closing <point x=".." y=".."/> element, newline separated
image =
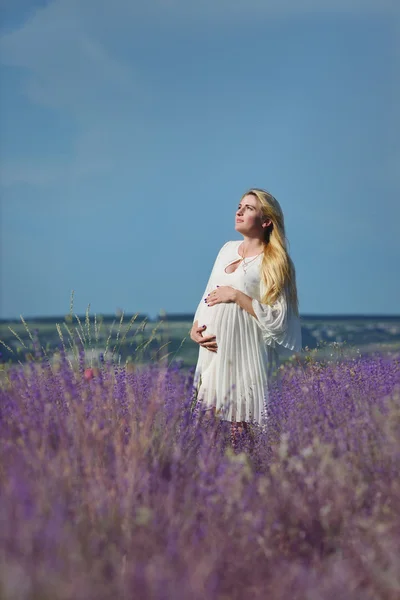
<point x="187" y="317"/>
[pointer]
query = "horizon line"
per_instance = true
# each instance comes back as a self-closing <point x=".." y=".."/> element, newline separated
<point x="189" y="316"/>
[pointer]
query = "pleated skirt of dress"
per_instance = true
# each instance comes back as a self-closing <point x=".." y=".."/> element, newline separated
<point x="235" y="379"/>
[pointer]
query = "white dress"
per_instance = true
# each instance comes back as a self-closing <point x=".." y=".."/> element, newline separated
<point x="235" y="378"/>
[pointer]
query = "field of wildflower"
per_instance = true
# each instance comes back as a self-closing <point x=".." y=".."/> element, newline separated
<point x="115" y="484"/>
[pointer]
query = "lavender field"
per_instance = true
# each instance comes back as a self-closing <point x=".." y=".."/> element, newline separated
<point x="114" y="484"/>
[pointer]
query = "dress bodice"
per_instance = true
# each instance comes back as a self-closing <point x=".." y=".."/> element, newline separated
<point x="245" y="278"/>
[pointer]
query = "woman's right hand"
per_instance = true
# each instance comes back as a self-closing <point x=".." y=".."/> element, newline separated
<point x="209" y="342"/>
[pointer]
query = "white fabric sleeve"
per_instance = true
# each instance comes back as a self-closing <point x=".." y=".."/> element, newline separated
<point x="280" y="326"/>
<point x="209" y="285"/>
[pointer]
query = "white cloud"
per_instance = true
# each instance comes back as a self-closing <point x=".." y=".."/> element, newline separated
<point x="65" y="67"/>
<point x="69" y="70"/>
<point x="45" y="173"/>
<point x="65" y="52"/>
<point x="27" y="173"/>
<point x="67" y="64"/>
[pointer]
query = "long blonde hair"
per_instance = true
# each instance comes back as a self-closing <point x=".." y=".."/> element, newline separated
<point x="277" y="268"/>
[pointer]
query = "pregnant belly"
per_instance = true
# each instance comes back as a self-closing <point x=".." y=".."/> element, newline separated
<point x="218" y="318"/>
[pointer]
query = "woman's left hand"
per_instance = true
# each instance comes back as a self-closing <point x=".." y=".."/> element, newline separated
<point x="223" y="293"/>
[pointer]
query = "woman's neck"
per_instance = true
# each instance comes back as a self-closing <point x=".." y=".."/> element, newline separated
<point x="252" y="246"/>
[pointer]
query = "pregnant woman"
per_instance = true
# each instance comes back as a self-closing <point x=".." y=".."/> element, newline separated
<point x="248" y="316"/>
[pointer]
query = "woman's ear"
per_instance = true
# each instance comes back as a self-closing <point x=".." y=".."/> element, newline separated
<point x="267" y="223"/>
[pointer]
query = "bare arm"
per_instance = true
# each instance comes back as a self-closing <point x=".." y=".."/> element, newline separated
<point x="226" y="293"/>
<point x="273" y="320"/>
<point x="245" y="302"/>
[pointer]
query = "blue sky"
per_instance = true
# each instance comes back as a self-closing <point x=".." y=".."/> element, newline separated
<point x="129" y="131"/>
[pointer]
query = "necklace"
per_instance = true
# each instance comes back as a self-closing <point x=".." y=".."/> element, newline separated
<point x="245" y="266"/>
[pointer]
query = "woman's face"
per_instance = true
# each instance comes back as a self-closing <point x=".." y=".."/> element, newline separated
<point x="249" y="217"/>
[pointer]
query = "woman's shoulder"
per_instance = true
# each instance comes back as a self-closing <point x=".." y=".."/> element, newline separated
<point x="228" y="249"/>
<point x="231" y="244"/>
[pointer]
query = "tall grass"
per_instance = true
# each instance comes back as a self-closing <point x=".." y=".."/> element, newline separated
<point x="119" y="486"/>
<point x="76" y="336"/>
